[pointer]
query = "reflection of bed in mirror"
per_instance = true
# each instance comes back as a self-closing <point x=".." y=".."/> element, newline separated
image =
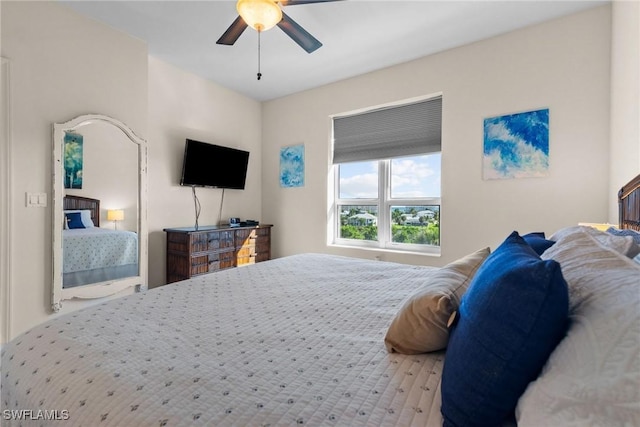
<point x="92" y="254"/>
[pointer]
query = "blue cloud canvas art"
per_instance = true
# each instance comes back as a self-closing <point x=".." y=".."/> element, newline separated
<point x="516" y="145"/>
<point x="292" y="166"/>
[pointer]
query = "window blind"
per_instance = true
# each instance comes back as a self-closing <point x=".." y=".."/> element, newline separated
<point x="397" y="131"/>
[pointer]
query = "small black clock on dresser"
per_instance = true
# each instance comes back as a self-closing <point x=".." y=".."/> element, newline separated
<point x="191" y="251"/>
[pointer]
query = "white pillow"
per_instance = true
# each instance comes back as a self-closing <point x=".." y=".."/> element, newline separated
<point x="85" y="217"/>
<point x="592" y="378"/>
<point x="621" y="244"/>
<point x="625" y="232"/>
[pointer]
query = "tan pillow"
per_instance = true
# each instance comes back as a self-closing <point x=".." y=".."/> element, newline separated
<point x="421" y="324"/>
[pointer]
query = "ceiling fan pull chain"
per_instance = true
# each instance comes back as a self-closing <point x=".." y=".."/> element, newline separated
<point x="259" y="73"/>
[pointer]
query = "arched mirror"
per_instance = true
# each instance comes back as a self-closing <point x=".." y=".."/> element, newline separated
<point x="99" y="209"/>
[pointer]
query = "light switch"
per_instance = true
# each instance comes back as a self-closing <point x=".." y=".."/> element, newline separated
<point x="36" y="200"/>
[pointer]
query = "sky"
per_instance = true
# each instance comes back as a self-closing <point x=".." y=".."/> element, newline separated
<point x="416" y="176"/>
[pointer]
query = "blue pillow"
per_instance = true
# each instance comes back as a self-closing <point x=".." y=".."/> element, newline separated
<point x="74" y="220"/>
<point x="538" y="242"/>
<point x="510" y="319"/>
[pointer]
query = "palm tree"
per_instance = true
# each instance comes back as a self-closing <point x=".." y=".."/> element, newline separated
<point x="397" y="216"/>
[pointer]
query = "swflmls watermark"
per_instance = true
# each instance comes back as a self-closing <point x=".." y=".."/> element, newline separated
<point x="37" y="415"/>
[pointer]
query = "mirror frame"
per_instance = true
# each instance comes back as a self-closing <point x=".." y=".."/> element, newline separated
<point x="109" y="287"/>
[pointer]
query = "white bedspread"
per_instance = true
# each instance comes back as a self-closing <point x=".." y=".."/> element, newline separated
<point x="91" y="248"/>
<point x="292" y="341"/>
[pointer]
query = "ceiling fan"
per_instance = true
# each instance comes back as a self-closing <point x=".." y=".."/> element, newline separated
<point x="262" y="15"/>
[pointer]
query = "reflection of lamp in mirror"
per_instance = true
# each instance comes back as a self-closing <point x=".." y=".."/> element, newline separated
<point x="115" y="215"/>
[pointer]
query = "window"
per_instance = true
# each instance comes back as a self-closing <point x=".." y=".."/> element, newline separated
<point x="387" y="178"/>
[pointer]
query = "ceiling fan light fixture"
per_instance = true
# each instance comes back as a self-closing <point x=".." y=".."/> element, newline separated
<point x="260" y="15"/>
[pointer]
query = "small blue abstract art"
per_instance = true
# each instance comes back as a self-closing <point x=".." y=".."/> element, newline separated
<point x="516" y="145"/>
<point x="292" y="166"/>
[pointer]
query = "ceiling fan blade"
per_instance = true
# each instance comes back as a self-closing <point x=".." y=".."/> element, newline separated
<point x="298" y="34"/>
<point x="295" y="2"/>
<point x="233" y="32"/>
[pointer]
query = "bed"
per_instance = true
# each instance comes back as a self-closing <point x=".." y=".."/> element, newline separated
<point x="307" y="340"/>
<point x="92" y="254"/>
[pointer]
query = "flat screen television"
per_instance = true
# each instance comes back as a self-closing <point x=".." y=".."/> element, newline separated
<point x="214" y="166"/>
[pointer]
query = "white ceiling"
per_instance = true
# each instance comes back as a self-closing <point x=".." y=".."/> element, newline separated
<point x="359" y="36"/>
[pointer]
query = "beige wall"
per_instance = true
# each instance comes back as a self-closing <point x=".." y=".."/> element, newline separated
<point x="562" y="65"/>
<point x="184" y="106"/>
<point x="625" y="99"/>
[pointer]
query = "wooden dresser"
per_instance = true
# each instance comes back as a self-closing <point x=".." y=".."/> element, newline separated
<point x="191" y="252"/>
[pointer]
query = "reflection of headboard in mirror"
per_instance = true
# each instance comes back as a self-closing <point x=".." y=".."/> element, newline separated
<point x="629" y="204"/>
<point x="84" y="203"/>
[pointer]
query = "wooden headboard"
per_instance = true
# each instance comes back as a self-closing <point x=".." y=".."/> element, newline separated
<point x="629" y="204"/>
<point x="84" y="203"/>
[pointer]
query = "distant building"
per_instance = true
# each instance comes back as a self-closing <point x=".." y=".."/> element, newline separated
<point x="363" y="219"/>
<point x="421" y="217"/>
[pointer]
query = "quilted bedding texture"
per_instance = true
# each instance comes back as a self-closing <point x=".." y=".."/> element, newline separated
<point x="296" y="340"/>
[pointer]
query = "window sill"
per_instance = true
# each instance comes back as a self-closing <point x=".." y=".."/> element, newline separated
<point x="435" y="254"/>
